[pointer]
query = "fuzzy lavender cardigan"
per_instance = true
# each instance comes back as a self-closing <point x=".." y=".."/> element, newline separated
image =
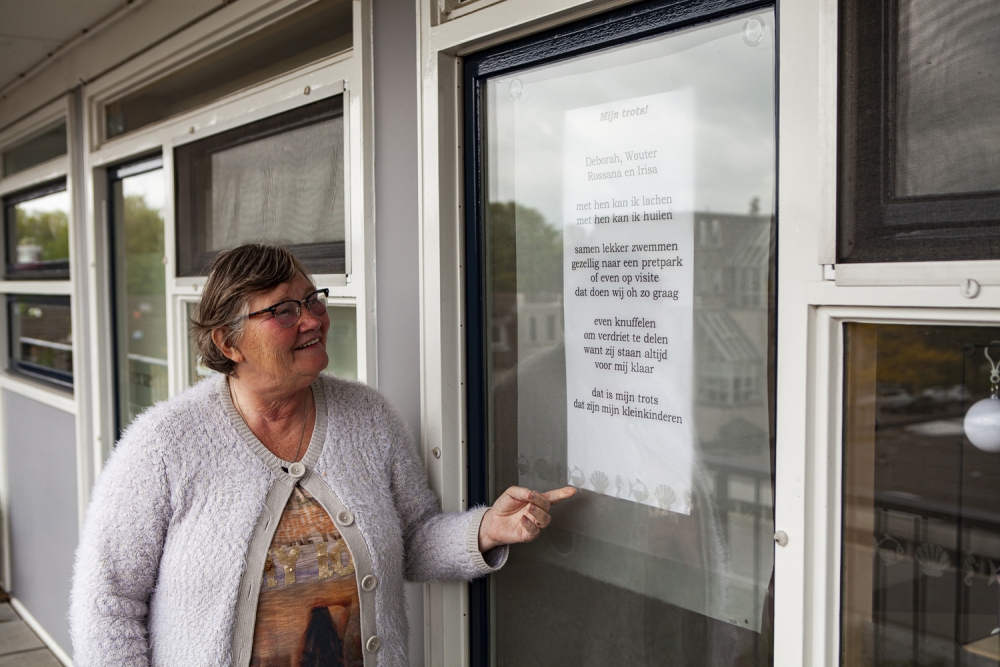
<point x="170" y="559"/>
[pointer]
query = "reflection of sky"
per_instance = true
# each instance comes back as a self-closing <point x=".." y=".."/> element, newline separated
<point x="148" y="185"/>
<point x="734" y="91"/>
<point x="57" y="201"/>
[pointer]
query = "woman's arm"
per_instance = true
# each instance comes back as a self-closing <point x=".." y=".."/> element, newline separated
<point x="458" y="545"/>
<point x="438" y="546"/>
<point x="118" y="558"/>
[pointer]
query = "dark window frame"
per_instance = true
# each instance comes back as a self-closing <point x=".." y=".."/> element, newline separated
<point x="52" y="270"/>
<point x="189" y="193"/>
<point x="873" y="223"/>
<point x="15" y="365"/>
<point x="614" y="28"/>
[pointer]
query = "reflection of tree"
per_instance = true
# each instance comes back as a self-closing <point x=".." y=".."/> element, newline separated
<point x="143" y="241"/>
<point x="520" y="236"/>
<point x="46" y="229"/>
<point x="918" y="361"/>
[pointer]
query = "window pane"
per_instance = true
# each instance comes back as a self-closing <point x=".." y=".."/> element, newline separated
<point x="948" y="129"/>
<point x="38" y="233"/>
<point x="140" y="288"/>
<point x="921" y="526"/>
<point x="919" y="157"/>
<point x="342" y="342"/>
<point x="41" y="337"/>
<point x="307" y="35"/>
<point x="280" y="180"/>
<point x="36" y="150"/>
<point x="628" y="220"/>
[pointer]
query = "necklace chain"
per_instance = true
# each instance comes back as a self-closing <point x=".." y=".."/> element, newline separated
<point x="305" y="416"/>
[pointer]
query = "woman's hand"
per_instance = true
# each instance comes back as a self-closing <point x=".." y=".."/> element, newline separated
<point x="518" y="516"/>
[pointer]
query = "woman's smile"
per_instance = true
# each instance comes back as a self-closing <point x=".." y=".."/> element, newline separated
<point x="309" y="343"/>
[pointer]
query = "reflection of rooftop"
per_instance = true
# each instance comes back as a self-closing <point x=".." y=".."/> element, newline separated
<point x="755" y="251"/>
<point x="726" y="335"/>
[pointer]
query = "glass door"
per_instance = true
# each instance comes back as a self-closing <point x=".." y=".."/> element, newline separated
<point x="138" y="287"/>
<point x="620" y="247"/>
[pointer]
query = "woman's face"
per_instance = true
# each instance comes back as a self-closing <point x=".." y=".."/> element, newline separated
<point x="275" y="359"/>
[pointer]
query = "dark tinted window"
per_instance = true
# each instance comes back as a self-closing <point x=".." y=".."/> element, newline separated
<point x="38" y="149"/>
<point x="321" y="30"/>
<point x="41" y="337"/>
<point x="919" y="130"/>
<point x="279" y="180"/>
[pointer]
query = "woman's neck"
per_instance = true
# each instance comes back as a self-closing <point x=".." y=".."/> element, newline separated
<point x="283" y="424"/>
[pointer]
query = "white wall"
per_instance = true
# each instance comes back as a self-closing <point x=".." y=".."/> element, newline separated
<point x="41" y="478"/>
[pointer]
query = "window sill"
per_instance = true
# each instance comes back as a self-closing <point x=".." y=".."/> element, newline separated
<point x="986" y="272"/>
<point x="56" y="397"/>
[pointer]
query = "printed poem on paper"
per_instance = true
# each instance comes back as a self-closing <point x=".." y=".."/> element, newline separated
<point x="628" y="197"/>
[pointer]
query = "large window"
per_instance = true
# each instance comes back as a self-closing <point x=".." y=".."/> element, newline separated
<point x="620" y="300"/>
<point x="279" y="180"/>
<point x="921" y="526"/>
<point x="139" y="286"/>
<point x="919" y="130"/>
<point x="313" y="32"/>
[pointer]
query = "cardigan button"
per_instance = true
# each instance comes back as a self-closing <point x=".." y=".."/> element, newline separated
<point x="373" y="643"/>
<point x="345" y="518"/>
<point x="296" y="470"/>
<point x="369" y="583"/>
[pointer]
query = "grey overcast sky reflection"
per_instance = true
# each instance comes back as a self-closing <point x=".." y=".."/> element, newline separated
<point x="732" y="80"/>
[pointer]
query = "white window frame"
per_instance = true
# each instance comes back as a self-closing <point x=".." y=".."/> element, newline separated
<point x="821" y="533"/>
<point x="815" y="298"/>
<point x="347" y="73"/>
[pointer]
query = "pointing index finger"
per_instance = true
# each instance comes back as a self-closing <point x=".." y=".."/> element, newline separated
<point x="558" y="495"/>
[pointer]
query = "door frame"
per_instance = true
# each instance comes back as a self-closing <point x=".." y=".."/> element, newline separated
<point x="617" y="27"/>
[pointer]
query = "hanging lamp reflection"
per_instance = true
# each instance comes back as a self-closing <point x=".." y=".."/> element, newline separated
<point x="982" y="421"/>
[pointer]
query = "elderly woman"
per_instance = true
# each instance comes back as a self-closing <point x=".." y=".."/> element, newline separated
<point x="268" y="516"/>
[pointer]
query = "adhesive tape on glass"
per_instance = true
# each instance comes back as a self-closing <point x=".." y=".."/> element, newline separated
<point x="369" y="583"/>
<point x="296" y="470"/>
<point x="373" y="643"/>
<point x="345" y="518"/>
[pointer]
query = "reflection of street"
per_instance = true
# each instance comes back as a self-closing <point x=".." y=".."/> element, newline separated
<point x="934" y="541"/>
<point x="42" y="326"/>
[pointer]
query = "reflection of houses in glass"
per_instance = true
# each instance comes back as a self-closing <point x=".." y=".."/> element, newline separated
<point x="539" y="323"/>
<point x="731" y="260"/>
<point x="746" y="272"/>
<point x="731" y="287"/>
<point x="730" y="370"/>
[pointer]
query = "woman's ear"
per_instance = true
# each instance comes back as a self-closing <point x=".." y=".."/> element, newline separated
<point x="220" y="337"/>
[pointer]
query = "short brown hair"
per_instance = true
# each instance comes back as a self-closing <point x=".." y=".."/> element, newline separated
<point x="236" y="276"/>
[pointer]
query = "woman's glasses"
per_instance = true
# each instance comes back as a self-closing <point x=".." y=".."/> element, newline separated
<point x="287" y="313"/>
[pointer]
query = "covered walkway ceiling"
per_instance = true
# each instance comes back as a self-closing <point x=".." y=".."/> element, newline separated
<point x="32" y="30"/>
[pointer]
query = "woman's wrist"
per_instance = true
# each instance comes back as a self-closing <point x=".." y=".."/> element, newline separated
<point x="485" y="541"/>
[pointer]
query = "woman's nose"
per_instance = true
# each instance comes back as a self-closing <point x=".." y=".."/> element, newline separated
<point x="309" y="320"/>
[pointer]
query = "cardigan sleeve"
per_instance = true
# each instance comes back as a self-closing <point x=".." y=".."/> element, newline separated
<point x="438" y="546"/>
<point x="119" y="555"/>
